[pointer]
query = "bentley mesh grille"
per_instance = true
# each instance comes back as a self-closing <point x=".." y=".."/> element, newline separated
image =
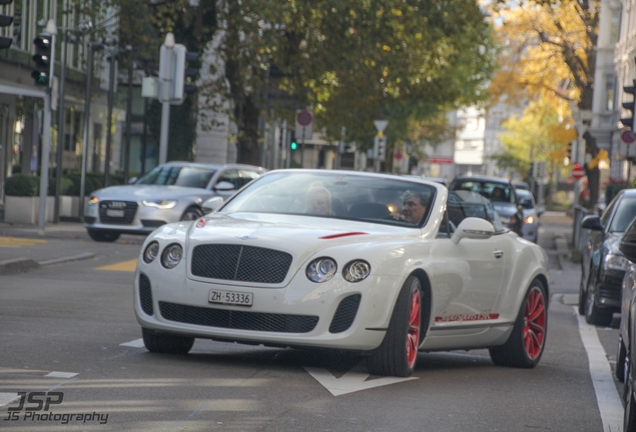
<point x="240" y="263"/>
<point x="129" y="209"/>
<point x="145" y="294"/>
<point x="346" y="312"/>
<point x="240" y="320"/>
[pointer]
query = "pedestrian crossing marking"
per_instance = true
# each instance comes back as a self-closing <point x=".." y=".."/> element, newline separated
<point x="16" y="242"/>
<point x="123" y="266"/>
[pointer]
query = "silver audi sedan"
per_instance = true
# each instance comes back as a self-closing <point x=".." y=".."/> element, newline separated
<point x="169" y="193"/>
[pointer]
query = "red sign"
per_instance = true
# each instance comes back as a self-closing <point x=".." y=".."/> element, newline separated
<point x="304" y="118"/>
<point x="578" y="171"/>
<point x="438" y="160"/>
<point x="398" y="155"/>
<point x="628" y="137"/>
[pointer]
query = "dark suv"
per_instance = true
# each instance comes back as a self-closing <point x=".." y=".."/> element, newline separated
<point x="500" y="192"/>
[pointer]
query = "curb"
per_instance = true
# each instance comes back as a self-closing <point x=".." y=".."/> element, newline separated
<point x="23" y="265"/>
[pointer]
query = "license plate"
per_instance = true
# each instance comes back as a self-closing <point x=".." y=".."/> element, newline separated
<point x="114" y="213"/>
<point x="231" y="297"/>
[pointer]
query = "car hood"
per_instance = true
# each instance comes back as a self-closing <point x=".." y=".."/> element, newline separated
<point x="611" y="242"/>
<point x="290" y="233"/>
<point x="140" y="192"/>
<point x="505" y="209"/>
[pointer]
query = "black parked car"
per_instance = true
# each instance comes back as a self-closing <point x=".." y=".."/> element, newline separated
<point x="626" y="356"/>
<point x="500" y="192"/>
<point x="603" y="265"/>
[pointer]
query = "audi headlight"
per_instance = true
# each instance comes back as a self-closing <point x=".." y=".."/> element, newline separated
<point x="151" y="252"/>
<point x="356" y="271"/>
<point x="616" y="262"/>
<point x="171" y="255"/>
<point x="160" y="204"/>
<point x="93" y="200"/>
<point x="529" y="220"/>
<point x="321" y="270"/>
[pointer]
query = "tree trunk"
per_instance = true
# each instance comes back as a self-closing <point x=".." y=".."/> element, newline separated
<point x="248" y="150"/>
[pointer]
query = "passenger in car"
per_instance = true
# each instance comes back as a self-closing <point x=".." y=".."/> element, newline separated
<point x="413" y="209"/>
<point x="319" y="200"/>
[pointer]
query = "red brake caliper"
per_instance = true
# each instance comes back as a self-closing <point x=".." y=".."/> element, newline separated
<point x="534" y="323"/>
<point x="413" y="336"/>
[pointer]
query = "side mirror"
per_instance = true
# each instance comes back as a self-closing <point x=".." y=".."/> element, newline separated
<point x="473" y="228"/>
<point x="592" y="222"/>
<point x="540" y="211"/>
<point x="224" y="186"/>
<point x="132" y="180"/>
<point x="212" y="204"/>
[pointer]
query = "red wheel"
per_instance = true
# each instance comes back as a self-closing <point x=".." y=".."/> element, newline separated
<point x="397" y="354"/>
<point x="526" y="342"/>
<point x="413" y="336"/>
<point x="534" y="323"/>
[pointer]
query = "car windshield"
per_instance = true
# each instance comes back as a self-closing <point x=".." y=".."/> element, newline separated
<point x="390" y="201"/>
<point x="463" y="204"/>
<point x="178" y="176"/>
<point x="625" y="213"/>
<point x="526" y="200"/>
<point x="494" y="191"/>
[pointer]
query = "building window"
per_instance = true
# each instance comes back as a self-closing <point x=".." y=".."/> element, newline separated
<point x="610" y="94"/>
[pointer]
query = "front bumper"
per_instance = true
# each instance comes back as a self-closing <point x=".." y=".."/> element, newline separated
<point x="143" y="220"/>
<point x="610" y="287"/>
<point x="335" y="314"/>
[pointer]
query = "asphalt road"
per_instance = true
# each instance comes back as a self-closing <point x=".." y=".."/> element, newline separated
<point x="68" y="330"/>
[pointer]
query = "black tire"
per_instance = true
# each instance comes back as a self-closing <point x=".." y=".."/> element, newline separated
<point x="526" y="343"/>
<point x="582" y="297"/>
<point x="397" y="354"/>
<point x="103" y="235"/>
<point x="629" y="417"/>
<point x="165" y="343"/>
<point x="593" y="314"/>
<point x="621" y="360"/>
<point x="191" y="213"/>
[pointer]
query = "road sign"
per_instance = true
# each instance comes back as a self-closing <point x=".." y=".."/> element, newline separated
<point x="304" y="124"/>
<point x="578" y="171"/>
<point x="628" y="137"/>
<point x="398" y="155"/>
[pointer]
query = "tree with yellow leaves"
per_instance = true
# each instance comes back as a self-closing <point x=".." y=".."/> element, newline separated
<point x="549" y="51"/>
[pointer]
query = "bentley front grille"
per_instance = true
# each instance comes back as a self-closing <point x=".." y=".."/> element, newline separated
<point x="345" y="314"/>
<point x="239" y="320"/>
<point x="240" y="263"/>
<point x="117" y="212"/>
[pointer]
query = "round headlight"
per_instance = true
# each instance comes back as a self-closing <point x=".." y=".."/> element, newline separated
<point x="356" y="271"/>
<point x="151" y="252"/>
<point x="321" y="270"/>
<point x="171" y="255"/>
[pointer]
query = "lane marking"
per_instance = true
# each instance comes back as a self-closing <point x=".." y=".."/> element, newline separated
<point x="7" y="398"/>
<point x="16" y="242"/>
<point x="609" y="401"/>
<point x="351" y="381"/>
<point x="57" y="374"/>
<point x="124" y="266"/>
<point x="137" y="343"/>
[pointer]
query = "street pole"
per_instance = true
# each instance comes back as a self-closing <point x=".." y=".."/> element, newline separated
<point x="144" y="139"/>
<point x="166" y="78"/>
<point x="51" y="28"/>
<point x="109" y="122"/>
<point x="128" y="122"/>
<point x="87" y="122"/>
<point x="302" y="149"/>
<point x="163" y="142"/>
<point x="60" y="130"/>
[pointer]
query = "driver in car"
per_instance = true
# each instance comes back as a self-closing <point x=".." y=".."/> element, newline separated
<point x="413" y="209"/>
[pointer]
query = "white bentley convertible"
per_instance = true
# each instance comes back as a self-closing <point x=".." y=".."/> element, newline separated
<point x="377" y="264"/>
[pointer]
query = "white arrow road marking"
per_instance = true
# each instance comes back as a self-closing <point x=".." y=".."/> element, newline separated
<point x="137" y="343"/>
<point x="7" y="398"/>
<point x="351" y="381"/>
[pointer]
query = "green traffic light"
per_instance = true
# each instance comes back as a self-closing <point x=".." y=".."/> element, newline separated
<point x="293" y="145"/>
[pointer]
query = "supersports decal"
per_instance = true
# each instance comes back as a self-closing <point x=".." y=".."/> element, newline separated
<point x="467" y="317"/>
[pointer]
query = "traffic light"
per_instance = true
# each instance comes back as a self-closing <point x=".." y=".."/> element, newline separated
<point x="184" y="74"/>
<point x="42" y="59"/>
<point x="628" y="122"/>
<point x="569" y="154"/>
<point x="5" y="21"/>
<point x="293" y="144"/>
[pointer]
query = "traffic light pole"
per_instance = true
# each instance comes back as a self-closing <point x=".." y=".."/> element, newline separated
<point x="46" y="137"/>
<point x="60" y="131"/>
<point x="87" y="122"/>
